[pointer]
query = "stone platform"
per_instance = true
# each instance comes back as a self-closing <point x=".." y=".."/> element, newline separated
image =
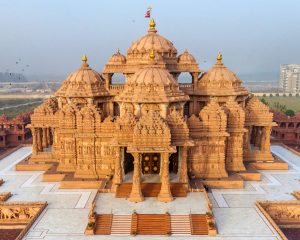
<point x="67" y="212"/>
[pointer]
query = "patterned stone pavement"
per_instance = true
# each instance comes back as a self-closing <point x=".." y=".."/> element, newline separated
<point x="67" y="212"/>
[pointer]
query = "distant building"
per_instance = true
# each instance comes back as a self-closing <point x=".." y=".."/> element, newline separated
<point x="290" y="78"/>
<point x="287" y="130"/>
<point x="13" y="131"/>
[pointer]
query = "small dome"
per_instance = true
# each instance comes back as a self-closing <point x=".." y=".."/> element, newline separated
<point x="220" y="80"/>
<point x="152" y="84"/>
<point x="117" y="59"/>
<point x="186" y="58"/>
<point x="84" y="82"/>
<point x="152" y="41"/>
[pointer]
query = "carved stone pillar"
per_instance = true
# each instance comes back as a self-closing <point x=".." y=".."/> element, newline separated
<point x="118" y="168"/>
<point x="265" y="139"/>
<point x="44" y="141"/>
<point x="34" y="141"/>
<point x="39" y="140"/>
<point x="183" y="178"/>
<point x="48" y="136"/>
<point x="257" y="136"/>
<point x="165" y="194"/>
<point x="136" y="191"/>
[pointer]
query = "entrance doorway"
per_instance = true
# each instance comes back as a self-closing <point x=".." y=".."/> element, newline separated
<point x="128" y="162"/>
<point x="150" y="163"/>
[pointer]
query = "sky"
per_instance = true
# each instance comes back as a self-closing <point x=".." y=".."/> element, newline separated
<point x="254" y="36"/>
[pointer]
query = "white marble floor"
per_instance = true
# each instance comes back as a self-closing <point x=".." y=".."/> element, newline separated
<point x="66" y="215"/>
<point x="193" y="203"/>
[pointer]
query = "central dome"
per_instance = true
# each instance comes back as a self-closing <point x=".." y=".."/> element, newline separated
<point x="151" y="41"/>
<point x="152" y="84"/>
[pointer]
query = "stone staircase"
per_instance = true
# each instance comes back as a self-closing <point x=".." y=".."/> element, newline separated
<point x="151" y="190"/>
<point x="153" y="224"/>
<point x="180" y="225"/>
<point x="103" y="224"/>
<point x="199" y="225"/>
<point x="121" y="225"/>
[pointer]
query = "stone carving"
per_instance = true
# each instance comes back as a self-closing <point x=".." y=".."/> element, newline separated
<point x="213" y="122"/>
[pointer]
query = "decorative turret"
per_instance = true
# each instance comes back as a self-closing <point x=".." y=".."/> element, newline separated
<point x="220" y="81"/>
<point x="84" y="82"/>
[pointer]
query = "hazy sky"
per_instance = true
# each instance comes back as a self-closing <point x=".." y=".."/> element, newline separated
<point x="255" y="36"/>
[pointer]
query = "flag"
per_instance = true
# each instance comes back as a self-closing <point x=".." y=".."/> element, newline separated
<point x="148" y="13"/>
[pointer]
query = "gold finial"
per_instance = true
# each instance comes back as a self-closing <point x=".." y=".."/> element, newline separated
<point x="219" y="57"/>
<point x="84" y="58"/>
<point x="152" y="54"/>
<point x="152" y="24"/>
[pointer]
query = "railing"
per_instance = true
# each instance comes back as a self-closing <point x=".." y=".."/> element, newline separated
<point x="186" y="85"/>
<point x="116" y="87"/>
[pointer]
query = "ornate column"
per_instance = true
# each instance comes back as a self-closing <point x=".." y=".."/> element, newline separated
<point x="44" y="141"/>
<point x="136" y="191"/>
<point x="39" y="140"/>
<point x="118" y="168"/>
<point x="165" y="194"/>
<point x="48" y="136"/>
<point x="34" y="141"/>
<point x="183" y="178"/>
<point x="265" y="139"/>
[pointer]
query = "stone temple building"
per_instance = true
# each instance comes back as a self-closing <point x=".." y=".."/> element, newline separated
<point x="209" y="131"/>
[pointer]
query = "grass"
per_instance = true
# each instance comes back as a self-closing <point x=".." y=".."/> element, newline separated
<point x="292" y="103"/>
<point x="13" y="102"/>
<point x="13" y="109"/>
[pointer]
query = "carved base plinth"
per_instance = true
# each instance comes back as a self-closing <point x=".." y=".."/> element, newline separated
<point x="136" y="197"/>
<point x="250" y="174"/>
<point x="272" y="165"/>
<point x="164" y="197"/>
<point x="233" y="181"/>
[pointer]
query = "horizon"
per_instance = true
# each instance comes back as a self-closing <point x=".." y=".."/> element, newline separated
<point x="51" y="41"/>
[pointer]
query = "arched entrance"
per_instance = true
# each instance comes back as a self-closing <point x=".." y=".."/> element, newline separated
<point x="150" y="163"/>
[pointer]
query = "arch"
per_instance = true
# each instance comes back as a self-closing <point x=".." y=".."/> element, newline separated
<point x="283" y="125"/>
<point x="118" y="78"/>
<point x="291" y="125"/>
<point x="185" y="77"/>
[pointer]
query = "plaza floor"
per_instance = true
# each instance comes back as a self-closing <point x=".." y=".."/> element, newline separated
<point x="66" y="215"/>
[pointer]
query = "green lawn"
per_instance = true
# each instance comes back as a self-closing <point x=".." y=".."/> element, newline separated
<point x="14" y="109"/>
<point x="13" y="102"/>
<point x="292" y="103"/>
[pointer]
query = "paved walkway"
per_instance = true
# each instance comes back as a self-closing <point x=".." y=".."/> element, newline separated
<point x="67" y="212"/>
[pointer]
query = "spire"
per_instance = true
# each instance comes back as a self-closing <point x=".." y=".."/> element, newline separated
<point x="84" y="61"/>
<point x="219" y="57"/>
<point x="152" y="25"/>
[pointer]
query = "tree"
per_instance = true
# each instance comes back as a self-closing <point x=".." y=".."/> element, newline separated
<point x="290" y="112"/>
<point x="264" y="101"/>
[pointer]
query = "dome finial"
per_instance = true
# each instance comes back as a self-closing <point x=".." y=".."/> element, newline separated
<point x="152" y="55"/>
<point x="152" y="24"/>
<point x="84" y="58"/>
<point x="219" y="57"/>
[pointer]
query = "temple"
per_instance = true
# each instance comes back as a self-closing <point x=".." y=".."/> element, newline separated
<point x="209" y="131"/>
